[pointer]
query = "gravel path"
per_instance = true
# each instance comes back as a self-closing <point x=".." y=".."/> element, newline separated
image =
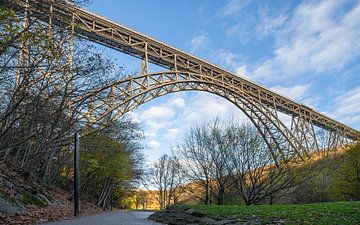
<point x="110" y="218"/>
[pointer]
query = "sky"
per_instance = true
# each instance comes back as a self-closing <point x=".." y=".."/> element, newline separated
<point x="308" y="51"/>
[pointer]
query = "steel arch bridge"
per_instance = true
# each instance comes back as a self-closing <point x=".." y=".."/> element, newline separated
<point x="186" y="72"/>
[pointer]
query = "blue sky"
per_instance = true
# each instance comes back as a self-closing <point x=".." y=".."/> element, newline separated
<point x="306" y="50"/>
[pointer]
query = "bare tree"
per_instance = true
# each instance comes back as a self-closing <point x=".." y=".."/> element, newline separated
<point x="205" y="154"/>
<point x="165" y="176"/>
<point x="197" y="163"/>
<point x="220" y="141"/>
<point x="256" y="175"/>
<point x="219" y="157"/>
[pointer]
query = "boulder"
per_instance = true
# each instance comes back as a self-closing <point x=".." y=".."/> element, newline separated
<point x="182" y="215"/>
<point x="9" y="208"/>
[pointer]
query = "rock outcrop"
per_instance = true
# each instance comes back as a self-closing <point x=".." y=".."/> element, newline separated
<point x="184" y="215"/>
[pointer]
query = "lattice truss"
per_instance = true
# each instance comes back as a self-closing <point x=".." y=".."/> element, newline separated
<point x="113" y="101"/>
<point x="308" y="132"/>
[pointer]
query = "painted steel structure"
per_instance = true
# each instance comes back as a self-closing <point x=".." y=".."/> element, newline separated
<point x="186" y="72"/>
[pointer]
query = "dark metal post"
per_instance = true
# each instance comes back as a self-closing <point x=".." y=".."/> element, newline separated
<point x="111" y="201"/>
<point x="76" y="176"/>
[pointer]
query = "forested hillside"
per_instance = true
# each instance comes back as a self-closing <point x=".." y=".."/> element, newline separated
<point x="228" y="163"/>
<point x="42" y="77"/>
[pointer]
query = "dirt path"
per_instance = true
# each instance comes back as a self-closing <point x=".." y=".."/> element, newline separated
<point x="119" y="217"/>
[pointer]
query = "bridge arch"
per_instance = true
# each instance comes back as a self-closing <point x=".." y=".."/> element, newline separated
<point x="261" y="104"/>
<point x="116" y="99"/>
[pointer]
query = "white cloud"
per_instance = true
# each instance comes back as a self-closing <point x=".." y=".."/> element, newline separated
<point x="156" y="112"/>
<point x="205" y="106"/>
<point x="178" y="102"/>
<point x="242" y="31"/>
<point x="199" y="42"/>
<point x="232" y="7"/>
<point x="231" y="61"/>
<point x="317" y="39"/>
<point x="285" y="119"/>
<point x="347" y="107"/>
<point x="157" y="118"/>
<point x="171" y="134"/>
<point x="227" y="59"/>
<point x="269" y="25"/>
<point x="150" y="133"/>
<point x="242" y="71"/>
<point x="249" y="27"/>
<point x="296" y="92"/>
<point x="155" y="127"/>
<point x="154" y="144"/>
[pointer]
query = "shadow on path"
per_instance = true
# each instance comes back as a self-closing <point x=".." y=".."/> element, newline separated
<point x="120" y="217"/>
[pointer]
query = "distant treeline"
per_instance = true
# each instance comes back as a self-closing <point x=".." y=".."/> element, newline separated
<point x="229" y="163"/>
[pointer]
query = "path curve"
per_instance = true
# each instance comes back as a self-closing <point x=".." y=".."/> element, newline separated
<point x="120" y="217"/>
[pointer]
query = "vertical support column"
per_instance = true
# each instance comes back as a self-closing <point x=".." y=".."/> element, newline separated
<point x="50" y="33"/>
<point x="76" y="175"/>
<point x="303" y="130"/>
<point x="50" y="19"/>
<point x="175" y="68"/>
<point x="27" y="47"/>
<point x="337" y="138"/>
<point x="110" y="100"/>
<point x="175" y="62"/>
<point x="316" y="141"/>
<point x="145" y="61"/>
<point x="332" y="140"/>
<point x="90" y="113"/>
<point x="23" y="48"/>
<point x="71" y="62"/>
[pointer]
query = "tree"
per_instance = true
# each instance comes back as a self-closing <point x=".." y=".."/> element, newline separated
<point x="346" y="180"/>
<point x="220" y="141"/>
<point x="196" y="161"/>
<point x="110" y="165"/>
<point x="41" y="80"/>
<point x="315" y="176"/>
<point x="37" y="110"/>
<point x="256" y="175"/>
<point x="165" y="175"/>
<point x="205" y="154"/>
<point x="219" y="157"/>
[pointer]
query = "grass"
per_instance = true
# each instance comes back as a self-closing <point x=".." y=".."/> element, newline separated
<point x="316" y="213"/>
<point x="33" y="200"/>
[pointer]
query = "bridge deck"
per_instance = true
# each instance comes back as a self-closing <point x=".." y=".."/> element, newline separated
<point x="106" y="32"/>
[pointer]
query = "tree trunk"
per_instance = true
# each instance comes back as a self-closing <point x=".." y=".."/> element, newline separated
<point x="105" y="194"/>
<point x="207" y="200"/>
<point x="221" y="195"/>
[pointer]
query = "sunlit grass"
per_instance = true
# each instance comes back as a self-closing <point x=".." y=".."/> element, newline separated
<point x="316" y="213"/>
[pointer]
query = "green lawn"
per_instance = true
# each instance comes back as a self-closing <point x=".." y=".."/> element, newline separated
<point x="317" y="213"/>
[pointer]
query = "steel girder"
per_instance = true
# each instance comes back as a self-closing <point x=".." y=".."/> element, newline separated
<point x="114" y="100"/>
<point x="304" y="131"/>
<point x="258" y="103"/>
<point x="106" y="32"/>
